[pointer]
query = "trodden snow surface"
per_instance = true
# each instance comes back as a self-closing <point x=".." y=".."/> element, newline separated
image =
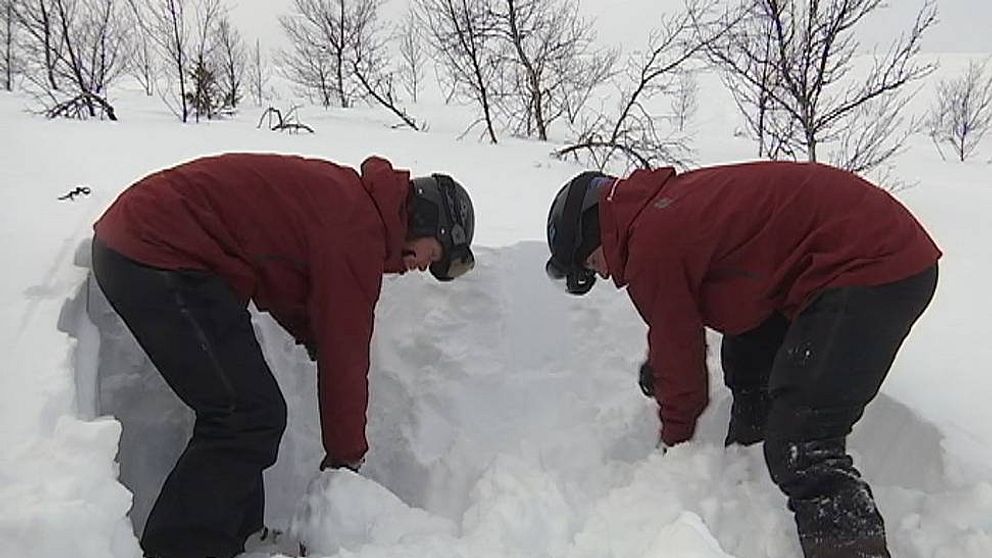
<point x="505" y="419"/>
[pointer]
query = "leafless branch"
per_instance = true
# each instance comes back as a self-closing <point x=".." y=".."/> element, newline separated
<point x="462" y="35"/>
<point x="8" y="56"/>
<point x="554" y="59"/>
<point x="961" y="114"/>
<point x="258" y="74"/>
<point x="412" y="55"/>
<point x="634" y="137"/>
<point x="790" y="67"/>
<point x="275" y="121"/>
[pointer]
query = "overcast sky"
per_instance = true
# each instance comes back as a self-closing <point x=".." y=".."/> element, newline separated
<point x="965" y="25"/>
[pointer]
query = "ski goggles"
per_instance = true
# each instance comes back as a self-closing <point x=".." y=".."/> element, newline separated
<point x="456" y="262"/>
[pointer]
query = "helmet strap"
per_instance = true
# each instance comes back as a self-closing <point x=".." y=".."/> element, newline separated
<point x="571" y="218"/>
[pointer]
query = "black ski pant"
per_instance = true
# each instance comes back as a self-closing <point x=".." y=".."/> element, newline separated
<point x="200" y="338"/>
<point x="801" y="386"/>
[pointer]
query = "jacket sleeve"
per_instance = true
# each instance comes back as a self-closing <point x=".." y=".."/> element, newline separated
<point x="676" y="348"/>
<point x="345" y="283"/>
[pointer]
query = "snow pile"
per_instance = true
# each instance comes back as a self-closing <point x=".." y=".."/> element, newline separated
<point x="505" y="421"/>
<point x="79" y="514"/>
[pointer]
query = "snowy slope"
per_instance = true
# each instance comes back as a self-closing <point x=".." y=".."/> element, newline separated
<point x="505" y="418"/>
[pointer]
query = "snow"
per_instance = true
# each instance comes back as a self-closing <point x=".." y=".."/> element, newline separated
<point x="505" y="419"/>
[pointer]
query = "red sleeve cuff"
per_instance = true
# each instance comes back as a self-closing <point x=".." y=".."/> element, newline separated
<point x="676" y="433"/>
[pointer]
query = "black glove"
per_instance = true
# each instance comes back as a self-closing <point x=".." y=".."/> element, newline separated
<point x="748" y="415"/>
<point x="646" y="379"/>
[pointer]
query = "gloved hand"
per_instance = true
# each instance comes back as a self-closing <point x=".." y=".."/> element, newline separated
<point x="748" y="415"/>
<point x="646" y="379"/>
<point x="329" y="463"/>
<point x="662" y="445"/>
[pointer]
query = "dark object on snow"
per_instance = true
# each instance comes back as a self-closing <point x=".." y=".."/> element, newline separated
<point x="646" y="379"/>
<point x="279" y="123"/>
<point x="83" y="106"/>
<point x="77" y="191"/>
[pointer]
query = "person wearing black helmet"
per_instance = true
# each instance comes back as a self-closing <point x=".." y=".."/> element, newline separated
<point x="181" y="253"/>
<point x="813" y="276"/>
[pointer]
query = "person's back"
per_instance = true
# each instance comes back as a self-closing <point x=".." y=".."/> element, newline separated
<point x="814" y="276"/>
<point x="766" y="236"/>
<point x="246" y="217"/>
<point x="180" y="253"/>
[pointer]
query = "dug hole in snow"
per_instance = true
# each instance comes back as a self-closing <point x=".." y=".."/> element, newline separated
<point x="505" y="421"/>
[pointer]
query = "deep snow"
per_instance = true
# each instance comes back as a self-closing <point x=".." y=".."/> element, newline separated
<point x="505" y="417"/>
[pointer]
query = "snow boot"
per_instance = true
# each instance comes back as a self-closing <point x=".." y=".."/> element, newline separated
<point x="868" y="547"/>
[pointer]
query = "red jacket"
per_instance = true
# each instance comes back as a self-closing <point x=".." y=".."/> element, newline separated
<point x="725" y="247"/>
<point x="305" y="239"/>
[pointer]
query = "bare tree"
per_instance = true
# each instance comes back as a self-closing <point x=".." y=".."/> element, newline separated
<point x="412" y="55"/>
<point x="327" y="30"/>
<point x="78" y="50"/>
<point x="962" y="112"/>
<point x="369" y="60"/>
<point x="339" y="51"/>
<point x="43" y="41"/>
<point x="685" y="99"/>
<point x="7" y="34"/>
<point x="635" y="137"/>
<point x="307" y="67"/>
<point x="861" y="149"/>
<point x="551" y="50"/>
<point x="258" y="75"/>
<point x="753" y="97"/>
<point x="792" y="61"/>
<point x="204" y="96"/>
<point x="232" y="60"/>
<point x="463" y="35"/>
<point x="556" y="62"/>
<point x="142" y="64"/>
<point x="166" y="23"/>
<point x="185" y="35"/>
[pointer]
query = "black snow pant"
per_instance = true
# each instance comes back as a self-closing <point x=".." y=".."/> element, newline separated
<point x="200" y="338"/>
<point x="801" y="386"/>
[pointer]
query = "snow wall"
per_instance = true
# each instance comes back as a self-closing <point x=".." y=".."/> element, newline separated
<point x="505" y="420"/>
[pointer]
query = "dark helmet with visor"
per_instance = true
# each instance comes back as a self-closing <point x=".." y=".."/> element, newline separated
<point x="573" y="231"/>
<point x="443" y="209"/>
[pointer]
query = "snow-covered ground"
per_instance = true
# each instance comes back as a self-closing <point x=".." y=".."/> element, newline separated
<point x="505" y="417"/>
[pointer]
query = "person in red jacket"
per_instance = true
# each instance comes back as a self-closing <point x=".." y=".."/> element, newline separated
<point x="813" y="276"/>
<point x="181" y="253"/>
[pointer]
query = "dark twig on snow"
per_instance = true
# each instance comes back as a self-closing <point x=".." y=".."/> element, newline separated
<point x="276" y="122"/>
<point x="77" y="191"/>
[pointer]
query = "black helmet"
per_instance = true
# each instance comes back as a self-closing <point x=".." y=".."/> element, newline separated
<point x="443" y="209"/>
<point x="573" y="232"/>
